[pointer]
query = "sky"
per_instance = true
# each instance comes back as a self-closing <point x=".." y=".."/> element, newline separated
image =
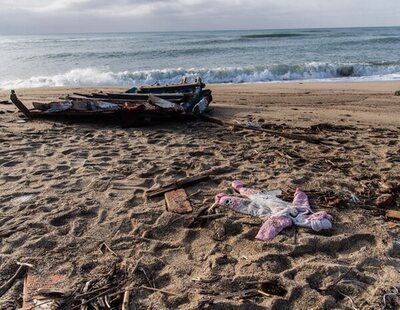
<point x="79" y="16"/>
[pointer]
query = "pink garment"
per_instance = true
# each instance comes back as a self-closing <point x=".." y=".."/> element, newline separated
<point x="300" y="201"/>
<point x="272" y="227"/>
<point x="244" y="191"/>
<point x="306" y="218"/>
<point x="277" y="213"/>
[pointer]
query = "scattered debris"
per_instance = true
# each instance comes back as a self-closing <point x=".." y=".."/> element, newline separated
<point x="334" y="283"/>
<point x="104" y="247"/>
<point x="292" y="136"/>
<point x="177" y="201"/>
<point x="392" y="225"/>
<point x="271" y="288"/>
<point x="329" y="127"/>
<point x="390" y="293"/>
<point x="384" y="200"/>
<point x="392" y="187"/>
<point x="159" y="290"/>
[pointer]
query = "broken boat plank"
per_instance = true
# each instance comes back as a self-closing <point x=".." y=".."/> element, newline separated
<point x="170" y="97"/>
<point x="14" y="99"/>
<point x="34" y="286"/>
<point x="177" y="201"/>
<point x="176" y="184"/>
<point x="131" y="96"/>
<point x="170" y="88"/>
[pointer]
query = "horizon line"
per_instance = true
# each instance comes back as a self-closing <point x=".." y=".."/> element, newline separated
<point x="204" y="30"/>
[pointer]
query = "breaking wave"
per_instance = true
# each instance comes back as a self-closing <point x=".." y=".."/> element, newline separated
<point x="272" y="35"/>
<point x="268" y="73"/>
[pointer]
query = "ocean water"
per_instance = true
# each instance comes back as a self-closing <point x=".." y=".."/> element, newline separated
<point x="216" y="56"/>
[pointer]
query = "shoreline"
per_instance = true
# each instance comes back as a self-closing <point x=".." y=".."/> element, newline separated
<point x="356" y="84"/>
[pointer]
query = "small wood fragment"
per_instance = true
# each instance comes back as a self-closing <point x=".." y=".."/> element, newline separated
<point x="178" y="202"/>
<point x="125" y="303"/>
<point x="384" y="201"/>
<point x="212" y="216"/>
<point x="334" y="283"/>
<point x="392" y="225"/>
<point x="104" y="245"/>
<point x="159" y="290"/>
<point x="392" y="214"/>
<point x="196" y="218"/>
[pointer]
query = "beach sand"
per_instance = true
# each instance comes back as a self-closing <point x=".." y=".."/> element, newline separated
<point x="66" y="188"/>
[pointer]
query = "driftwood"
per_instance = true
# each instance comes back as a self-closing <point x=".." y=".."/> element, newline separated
<point x="176" y="184"/>
<point x="23" y="268"/>
<point x="334" y="283"/>
<point x="286" y="135"/>
<point x="393" y="214"/>
<point x="212" y="216"/>
<point x="196" y="218"/>
<point x="104" y="245"/>
<point x="159" y="290"/>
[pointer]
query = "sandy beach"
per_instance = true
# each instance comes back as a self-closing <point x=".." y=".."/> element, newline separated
<point x="67" y="188"/>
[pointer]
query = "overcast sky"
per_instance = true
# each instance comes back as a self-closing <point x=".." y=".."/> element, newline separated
<point x="60" y="16"/>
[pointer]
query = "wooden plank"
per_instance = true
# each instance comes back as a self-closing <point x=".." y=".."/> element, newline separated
<point x="177" y="97"/>
<point x="170" y="97"/>
<point x="169" y="88"/>
<point x="164" y="104"/>
<point x="178" y="202"/>
<point x="393" y="214"/>
<point x="37" y="285"/>
<point x="176" y="184"/>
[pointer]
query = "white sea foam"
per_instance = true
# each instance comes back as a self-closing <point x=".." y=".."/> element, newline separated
<point x="308" y="71"/>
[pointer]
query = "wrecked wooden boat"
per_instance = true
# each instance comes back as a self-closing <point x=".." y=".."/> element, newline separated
<point x="130" y="109"/>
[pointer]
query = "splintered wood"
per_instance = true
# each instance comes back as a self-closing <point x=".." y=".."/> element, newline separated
<point x="178" y="202"/>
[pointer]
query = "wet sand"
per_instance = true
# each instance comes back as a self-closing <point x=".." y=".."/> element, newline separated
<point x="66" y="188"/>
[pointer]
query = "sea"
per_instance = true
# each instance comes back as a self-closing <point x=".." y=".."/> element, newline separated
<point x="250" y="56"/>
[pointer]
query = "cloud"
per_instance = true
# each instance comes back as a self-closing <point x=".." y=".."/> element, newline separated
<point x="19" y="16"/>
